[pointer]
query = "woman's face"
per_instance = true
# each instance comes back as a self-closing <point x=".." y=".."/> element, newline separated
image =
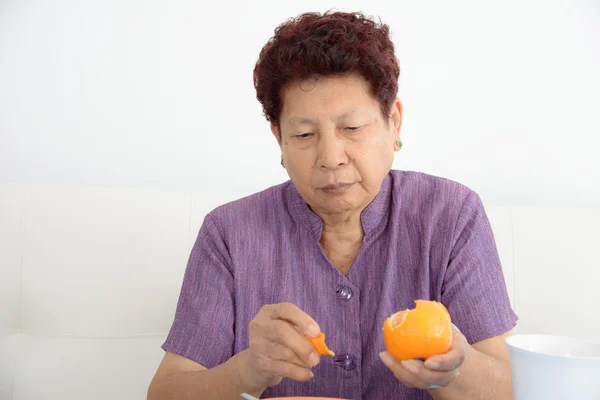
<point x="336" y="146"/>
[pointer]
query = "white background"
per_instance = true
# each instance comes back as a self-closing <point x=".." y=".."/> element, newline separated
<point x="502" y="96"/>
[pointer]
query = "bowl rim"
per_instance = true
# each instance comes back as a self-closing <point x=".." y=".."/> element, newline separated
<point x="511" y="339"/>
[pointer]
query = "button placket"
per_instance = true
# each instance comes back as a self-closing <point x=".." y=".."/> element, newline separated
<point x="348" y="359"/>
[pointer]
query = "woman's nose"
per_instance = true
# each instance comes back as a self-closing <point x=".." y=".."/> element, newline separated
<point x="332" y="153"/>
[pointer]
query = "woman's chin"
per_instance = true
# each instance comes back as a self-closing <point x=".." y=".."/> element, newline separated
<point x="337" y="205"/>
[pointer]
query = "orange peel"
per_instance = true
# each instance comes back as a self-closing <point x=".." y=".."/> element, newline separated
<point x="318" y="343"/>
<point x="421" y="332"/>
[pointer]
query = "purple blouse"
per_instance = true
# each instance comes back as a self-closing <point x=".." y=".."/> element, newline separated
<point x="425" y="238"/>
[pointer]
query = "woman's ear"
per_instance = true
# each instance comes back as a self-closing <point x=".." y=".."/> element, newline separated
<point x="396" y="115"/>
<point x="276" y="132"/>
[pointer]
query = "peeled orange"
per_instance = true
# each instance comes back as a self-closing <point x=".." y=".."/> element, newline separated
<point x="418" y="333"/>
<point x="318" y="343"/>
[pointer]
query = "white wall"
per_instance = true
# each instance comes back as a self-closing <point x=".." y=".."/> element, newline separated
<point x="503" y="97"/>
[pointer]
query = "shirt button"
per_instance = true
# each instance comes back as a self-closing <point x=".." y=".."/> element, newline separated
<point x="345" y="293"/>
<point x="346" y="361"/>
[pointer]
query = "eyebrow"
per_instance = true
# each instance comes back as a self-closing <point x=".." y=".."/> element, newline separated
<point x="309" y="121"/>
<point x="301" y="121"/>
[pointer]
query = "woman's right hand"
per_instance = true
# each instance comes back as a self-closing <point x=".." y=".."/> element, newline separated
<point x="279" y="347"/>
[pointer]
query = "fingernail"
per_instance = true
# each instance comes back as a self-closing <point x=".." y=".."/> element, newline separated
<point x="432" y="364"/>
<point x="310" y="374"/>
<point x="433" y="387"/>
<point x="313" y="330"/>
<point x="411" y="366"/>
<point x="386" y="359"/>
<point x="313" y="359"/>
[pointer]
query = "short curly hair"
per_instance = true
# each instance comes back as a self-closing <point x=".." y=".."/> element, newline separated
<point x="314" y="44"/>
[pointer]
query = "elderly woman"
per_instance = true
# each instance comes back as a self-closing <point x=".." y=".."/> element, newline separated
<point x="338" y="248"/>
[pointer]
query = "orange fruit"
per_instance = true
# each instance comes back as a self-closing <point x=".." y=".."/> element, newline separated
<point x="318" y="343"/>
<point x="418" y="333"/>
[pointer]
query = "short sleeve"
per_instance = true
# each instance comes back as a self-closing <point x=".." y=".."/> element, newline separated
<point x="474" y="289"/>
<point x="203" y="329"/>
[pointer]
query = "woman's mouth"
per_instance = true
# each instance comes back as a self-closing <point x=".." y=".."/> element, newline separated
<point x="337" y="188"/>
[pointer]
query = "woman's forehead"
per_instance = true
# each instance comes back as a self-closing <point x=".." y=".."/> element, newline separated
<point x="332" y="98"/>
<point x="317" y="84"/>
<point x="341" y="116"/>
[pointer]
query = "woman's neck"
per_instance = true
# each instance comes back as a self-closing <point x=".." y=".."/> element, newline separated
<point x="346" y="225"/>
<point x="341" y="239"/>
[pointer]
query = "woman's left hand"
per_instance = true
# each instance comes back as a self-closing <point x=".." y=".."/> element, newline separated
<point x="436" y="371"/>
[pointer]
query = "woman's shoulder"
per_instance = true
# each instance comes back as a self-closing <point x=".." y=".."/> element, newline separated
<point x="260" y="207"/>
<point x="421" y="188"/>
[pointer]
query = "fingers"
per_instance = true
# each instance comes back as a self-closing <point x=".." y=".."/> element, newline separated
<point x="401" y="373"/>
<point x="292" y="371"/>
<point x="454" y="358"/>
<point x="431" y="378"/>
<point x="283" y="333"/>
<point x="279" y="352"/>
<point x="414" y="373"/>
<point x="446" y="362"/>
<point x="289" y="325"/>
<point x="295" y="316"/>
<point x="278" y="343"/>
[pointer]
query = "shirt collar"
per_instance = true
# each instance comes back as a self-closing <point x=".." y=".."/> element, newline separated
<point x="371" y="217"/>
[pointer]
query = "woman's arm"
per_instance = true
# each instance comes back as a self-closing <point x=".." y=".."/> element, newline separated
<point x="182" y="379"/>
<point x="278" y="348"/>
<point x="474" y="372"/>
<point x="485" y="373"/>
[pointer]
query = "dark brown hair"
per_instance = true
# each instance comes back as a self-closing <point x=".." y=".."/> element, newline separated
<point x="314" y="45"/>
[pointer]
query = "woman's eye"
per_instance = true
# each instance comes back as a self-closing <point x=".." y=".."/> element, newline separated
<point x="353" y="128"/>
<point x="304" y="135"/>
